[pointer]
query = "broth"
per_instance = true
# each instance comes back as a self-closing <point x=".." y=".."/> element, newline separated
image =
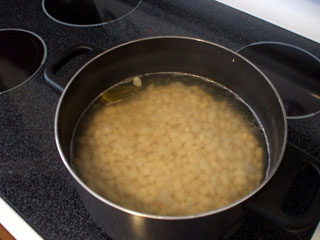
<point x="170" y="144"/>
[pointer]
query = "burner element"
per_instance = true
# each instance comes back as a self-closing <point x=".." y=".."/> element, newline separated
<point x="294" y="72"/>
<point x="21" y="55"/>
<point x="88" y="12"/>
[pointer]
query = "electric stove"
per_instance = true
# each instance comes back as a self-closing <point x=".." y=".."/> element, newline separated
<point x="33" y="179"/>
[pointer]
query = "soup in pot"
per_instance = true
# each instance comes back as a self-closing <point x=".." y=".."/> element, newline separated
<point x="170" y="144"/>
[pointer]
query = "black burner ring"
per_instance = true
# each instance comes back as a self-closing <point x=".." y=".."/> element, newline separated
<point x="22" y="53"/>
<point x="294" y="72"/>
<point x="85" y="13"/>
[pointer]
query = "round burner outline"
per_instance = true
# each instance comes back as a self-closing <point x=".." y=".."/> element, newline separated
<point x="299" y="50"/>
<point x="44" y="57"/>
<point x="86" y="25"/>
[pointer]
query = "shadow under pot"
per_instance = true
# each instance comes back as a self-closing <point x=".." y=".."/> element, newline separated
<point x="101" y="70"/>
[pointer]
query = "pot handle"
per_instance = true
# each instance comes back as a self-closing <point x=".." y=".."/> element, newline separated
<point x="267" y="203"/>
<point x="58" y="83"/>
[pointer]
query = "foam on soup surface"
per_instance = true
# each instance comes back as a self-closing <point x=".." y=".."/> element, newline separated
<point x="179" y="146"/>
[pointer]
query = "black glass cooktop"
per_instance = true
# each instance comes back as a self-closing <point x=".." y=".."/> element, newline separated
<point x="88" y="12"/>
<point x="33" y="178"/>
<point x="21" y="55"/>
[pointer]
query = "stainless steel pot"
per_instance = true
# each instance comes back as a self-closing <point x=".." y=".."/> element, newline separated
<point x="165" y="54"/>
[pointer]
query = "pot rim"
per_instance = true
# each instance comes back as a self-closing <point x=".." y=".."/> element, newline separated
<point x="160" y="217"/>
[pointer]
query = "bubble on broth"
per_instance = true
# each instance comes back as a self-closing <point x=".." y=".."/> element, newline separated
<point x="172" y="144"/>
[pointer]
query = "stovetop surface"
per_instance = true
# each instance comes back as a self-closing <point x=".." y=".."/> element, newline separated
<point x="33" y="179"/>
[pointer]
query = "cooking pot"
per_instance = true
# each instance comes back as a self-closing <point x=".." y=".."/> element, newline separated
<point x="102" y="69"/>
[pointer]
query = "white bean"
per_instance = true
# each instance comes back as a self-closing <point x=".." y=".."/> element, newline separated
<point x="169" y="150"/>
